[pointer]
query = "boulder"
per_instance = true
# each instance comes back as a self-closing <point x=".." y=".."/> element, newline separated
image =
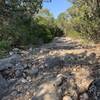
<point x="9" y="62"/>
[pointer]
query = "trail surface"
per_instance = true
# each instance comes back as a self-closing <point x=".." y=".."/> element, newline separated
<point x="64" y="69"/>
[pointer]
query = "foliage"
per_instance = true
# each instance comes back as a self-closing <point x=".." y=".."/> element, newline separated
<point x="47" y="25"/>
<point x="82" y="18"/>
<point x="19" y="7"/>
<point x="29" y="30"/>
<point x="4" y="44"/>
<point x="15" y="22"/>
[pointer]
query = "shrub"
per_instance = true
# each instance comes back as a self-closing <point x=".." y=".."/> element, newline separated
<point x="4" y="44"/>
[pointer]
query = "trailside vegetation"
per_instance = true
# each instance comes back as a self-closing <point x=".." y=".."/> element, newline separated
<point x="81" y="20"/>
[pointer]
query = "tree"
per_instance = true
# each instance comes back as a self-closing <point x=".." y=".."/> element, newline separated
<point x="20" y="6"/>
<point x="83" y="18"/>
<point x="15" y="19"/>
<point x="62" y="20"/>
<point x="45" y="19"/>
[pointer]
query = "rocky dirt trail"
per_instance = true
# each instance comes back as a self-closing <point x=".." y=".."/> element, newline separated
<point x="61" y="70"/>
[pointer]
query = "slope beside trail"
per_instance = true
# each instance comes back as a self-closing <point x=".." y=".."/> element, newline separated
<point x="64" y="69"/>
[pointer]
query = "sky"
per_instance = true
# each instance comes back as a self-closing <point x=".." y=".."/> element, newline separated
<point x="57" y="6"/>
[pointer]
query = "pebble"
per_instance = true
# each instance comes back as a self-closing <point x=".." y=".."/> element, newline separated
<point x="23" y="80"/>
<point x="18" y="73"/>
<point x="34" y="71"/>
<point x="58" y="81"/>
<point x="11" y="53"/>
<point x="34" y="98"/>
<point x="29" y="79"/>
<point x="25" y="65"/>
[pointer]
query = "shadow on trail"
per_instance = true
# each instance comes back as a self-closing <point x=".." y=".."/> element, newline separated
<point x="63" y="44"/>
<point x="81" y="67"/>
<point x="77" y="66"/>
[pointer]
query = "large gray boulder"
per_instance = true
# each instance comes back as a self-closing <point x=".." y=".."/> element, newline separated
<point x="9" y="62"/>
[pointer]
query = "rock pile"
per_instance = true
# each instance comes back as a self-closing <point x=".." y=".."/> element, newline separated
<point x="49" y="73"/>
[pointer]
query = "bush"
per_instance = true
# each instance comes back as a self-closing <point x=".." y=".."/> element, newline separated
<point x="73" y="34"/>
<point x="4" y="45"/>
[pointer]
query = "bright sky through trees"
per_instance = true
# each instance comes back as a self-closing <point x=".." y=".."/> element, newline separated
<point x="57" y="6"/>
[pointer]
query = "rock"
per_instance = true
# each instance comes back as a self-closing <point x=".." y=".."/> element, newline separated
<point x="34" y="98"/>
<point x="11" y="53"/>
<point x="69" y="88"/>
<point x="58" y="81"/>
<point x="82" y="77"/>
<point x="71" y="92"/>
<point x="67" y="98"/>
<point x="84" y="96"/>
<point x="11" y="81"/>
<point x="14" y="93"/>
<point x="19" y="66"/>
<point x="16" y="51"/>
<point x="23" y="80"/>
<point x="3" y="82"/>
<point x="14" y="59"/>
<point x="94" y="90"/>
<point x="60" y="75"/>
<point x="29" y="65"/>
<point x="9" y="62"/>
<point x="34" y="71"/>
<point x="91" y="58"/>
<point x="47" y="92"/>
<point x="25" y="65"/>
<point x="30" y="49"/>
<point x="50" y="96"/>
<point x="29" y="79"/>
<point x="3" y="86"/>
<point x="18" y="73"/>
<point x="60" y="91"/>
<point x="52" y="62"/>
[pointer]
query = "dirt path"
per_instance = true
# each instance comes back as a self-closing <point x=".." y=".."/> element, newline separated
<point x="60" y="70"/>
